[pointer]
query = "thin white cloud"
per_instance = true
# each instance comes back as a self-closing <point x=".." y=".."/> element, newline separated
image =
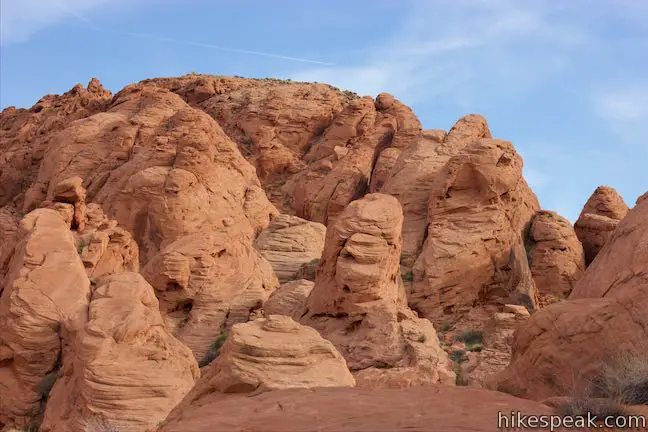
<point x="624" y="106"/>
<point x="20" y="19"/>
<point x="448" y="49"/>
<point x="625" y="111"/>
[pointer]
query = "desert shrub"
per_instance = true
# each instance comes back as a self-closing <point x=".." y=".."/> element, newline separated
<point x="458" y="356"/>
<point x="472" y="338"/>
<point x="82" y="245"/>
<point x="214" y="350"/>
<point x="408" y="277"/>
<point x="99" y="425"/>
<point x="581" y="406"/>
<point x="623" y="377"/>
<point x="460" y="378"/>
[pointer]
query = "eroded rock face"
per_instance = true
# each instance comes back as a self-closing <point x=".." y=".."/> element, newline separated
<point x="384" y="164"/>
<point x="495" y="354"/>
<point x="270" y="353"/>
<point x="313" y="146"/>
<point x="206" y="283"/>
<point x="599" y="218"/>
<point x="622" y="266"/>
<point x="358" y="304"/>
<point x="26" y="134"/>
<point x="555" y="255"/>
<point x="44" y="294"/>
<point x="413" y="176"/>
<point x="289" y="242"/>
<point x="162" y="169"/>
<point x="473" y="255"/>
<point x="289" y="299"/>
<point x="439" y="408"/>
<point x="9" y="231"/>
<point x="560" y="348"/>
<point x="123" y="366"/>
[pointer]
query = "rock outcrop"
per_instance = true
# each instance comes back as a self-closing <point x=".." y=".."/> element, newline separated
<point x="207" y="282"/>
<point x="270" y="353"/>
<point x="313" y="146"/>
<point x="479" y="207"/>
<point x="123" y="367"/>
<point x="383" y="167"/>
<point x="162" y="169"/>
<point x="494" y="354"/>
<point x="439" y="408"/>
<point x="622" y="266"/>
<point x="289" y="242"/>
<point x="555" y="255"/>
<point x="27" y="134"/>
<point x="358" y="304"/>
<point x="562" y="346"/>
<point x="414" y="173"/>
<point x="598" y="220"/>
<point x="44" y="294"/>
<point x="289" y="299"/>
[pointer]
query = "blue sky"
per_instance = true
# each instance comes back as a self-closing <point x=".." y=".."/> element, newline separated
<point x="565" y="81"/>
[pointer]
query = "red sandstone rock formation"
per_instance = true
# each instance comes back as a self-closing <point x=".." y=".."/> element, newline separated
<point x="267" y="354"/>
<point x="358" y="304"/>
<point x="600" y="216"/>
<point x="290" y="242"/>
<point x="561" y="347"/>
<point x="438" y="408"/>
<point x="556" y="256"/>
<point x="472" y="257"/>
<point x="122" y="366"/>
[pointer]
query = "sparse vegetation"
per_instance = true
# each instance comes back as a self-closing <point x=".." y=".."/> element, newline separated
<point x="458" y="356"/>
<point x="601" y="408"/>
<point x="214" y="350"/>
<point x="382" y="365"/>
<point x="474" y="340"/>
<point x="623" y="378"/>
<point x="407" y="276"/>
<point x="82" y="245"/>
<point x="100" y="425"/>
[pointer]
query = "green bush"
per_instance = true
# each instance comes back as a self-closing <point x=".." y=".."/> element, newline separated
<point x="214" y="350"/>
<point x="473" y="339"/>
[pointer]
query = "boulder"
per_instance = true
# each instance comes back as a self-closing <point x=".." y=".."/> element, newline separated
<point x="555" y="254"/>
<point x="358" y="304"/>
<point x="622" y="266"/>
<point x="289" y="299"/>
<point x="267" y="354"/>
<point x="122" y="368"/>
<point x="598" y="219"/>
<point x="289" y="242"/>
<point x="564" y="346"/>
<point x="44" y="294"/>
<point x="206" y="283"/>
<point x="473" y="256"/>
